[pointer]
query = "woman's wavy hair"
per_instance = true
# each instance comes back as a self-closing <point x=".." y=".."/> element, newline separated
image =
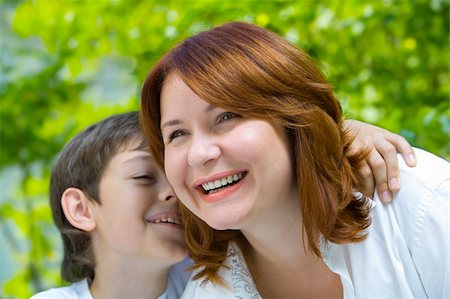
<point x="251" y="71"/>
<point x="81" y="165"/>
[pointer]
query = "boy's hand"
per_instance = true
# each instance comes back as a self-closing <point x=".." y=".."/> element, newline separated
<point x="381" y="165"/>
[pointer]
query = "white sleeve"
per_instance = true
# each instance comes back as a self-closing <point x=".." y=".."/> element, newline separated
<point x="426" y="220"/>
<point x="432" y="246"/>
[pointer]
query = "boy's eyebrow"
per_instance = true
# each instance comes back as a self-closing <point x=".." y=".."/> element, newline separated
<point x="144" y="157"/>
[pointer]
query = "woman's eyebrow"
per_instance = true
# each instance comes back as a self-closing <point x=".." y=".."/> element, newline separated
<point x="210" y="108"/>
<point x="171" y="123"/>
<point x="176" y="122"/>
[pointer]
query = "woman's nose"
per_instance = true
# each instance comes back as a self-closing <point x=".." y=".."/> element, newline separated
<point x="202" y="150"/>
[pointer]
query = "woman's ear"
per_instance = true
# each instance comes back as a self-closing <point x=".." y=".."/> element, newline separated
<point x="77" y="209"/>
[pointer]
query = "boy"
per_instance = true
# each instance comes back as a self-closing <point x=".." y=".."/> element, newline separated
<point x="118" y="217"/>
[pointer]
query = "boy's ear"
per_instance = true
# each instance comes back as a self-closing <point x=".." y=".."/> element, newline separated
<point x="77" y="209"/>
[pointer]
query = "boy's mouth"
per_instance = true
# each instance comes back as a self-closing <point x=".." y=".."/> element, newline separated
<point x="166" y="218"/>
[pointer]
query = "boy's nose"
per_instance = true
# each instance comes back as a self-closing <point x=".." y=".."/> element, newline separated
<point x="166" y="192"/>
<point x="169" y="197"/>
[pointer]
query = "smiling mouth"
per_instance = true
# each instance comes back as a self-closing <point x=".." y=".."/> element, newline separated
<point x="220" y="184"/>
<point x="169" y="220"/>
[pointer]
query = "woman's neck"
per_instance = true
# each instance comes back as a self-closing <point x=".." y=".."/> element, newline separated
<point x="136" y="279"/>
<point x="276" y="236"/>
<point x="308" y="277"/>
<point x="278" y="261"/>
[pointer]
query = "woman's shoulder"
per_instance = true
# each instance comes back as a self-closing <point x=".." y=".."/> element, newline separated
<point x="77" y="290"/>
<point x="421" y="210"/>
<point x="424" y="195"/>
<point x="424" y="188"/>
<point x="431" y="171"/>
<point x="407" y="241"/>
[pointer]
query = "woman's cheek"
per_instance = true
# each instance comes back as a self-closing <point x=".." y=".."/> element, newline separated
<point x="170" y="168"/>
<point x="175" y="168"/>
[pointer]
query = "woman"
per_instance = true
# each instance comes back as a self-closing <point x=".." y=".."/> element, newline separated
<point x="252" y="141"/>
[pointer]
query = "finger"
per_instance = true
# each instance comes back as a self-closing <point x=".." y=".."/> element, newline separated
<point x="378" y="166"/>
<point x="365" y="173"/>
<point x="389" y="154"/>
<point x="402" y="146"/>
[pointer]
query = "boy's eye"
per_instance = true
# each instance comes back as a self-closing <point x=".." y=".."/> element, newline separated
<point x="144" y="177"/>
<point x="226" y="116"/>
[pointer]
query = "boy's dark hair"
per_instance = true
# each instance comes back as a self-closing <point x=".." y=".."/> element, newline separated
<point x="81" y="165"/>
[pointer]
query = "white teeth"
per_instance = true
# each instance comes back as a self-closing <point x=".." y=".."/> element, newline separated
<point x="167" y="220"/>
<point x="173" y="220"/>
<point x="222" y="182"/>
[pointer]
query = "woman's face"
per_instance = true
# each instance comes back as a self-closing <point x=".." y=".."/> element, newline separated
<point x="229" y="170"/>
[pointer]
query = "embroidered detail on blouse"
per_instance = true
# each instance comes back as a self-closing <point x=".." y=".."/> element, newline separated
<point x="243" y="285"/>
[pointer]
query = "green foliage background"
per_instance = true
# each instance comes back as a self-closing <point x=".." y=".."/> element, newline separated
<point x="67" y="64"/>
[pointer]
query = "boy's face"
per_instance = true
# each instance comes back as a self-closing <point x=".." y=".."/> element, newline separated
<point x="138" y="216"/>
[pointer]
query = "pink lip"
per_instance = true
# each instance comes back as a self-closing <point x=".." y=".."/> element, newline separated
<point x="198" y="183"/>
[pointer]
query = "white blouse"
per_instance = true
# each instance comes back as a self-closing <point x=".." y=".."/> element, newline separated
<point x="406" y="253"/>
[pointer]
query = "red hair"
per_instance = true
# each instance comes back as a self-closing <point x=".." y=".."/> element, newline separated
<point x="253" y="72"/>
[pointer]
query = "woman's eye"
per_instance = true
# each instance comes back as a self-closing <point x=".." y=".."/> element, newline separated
<point x="176" y="134"/>
<point x="226" y="116"/>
